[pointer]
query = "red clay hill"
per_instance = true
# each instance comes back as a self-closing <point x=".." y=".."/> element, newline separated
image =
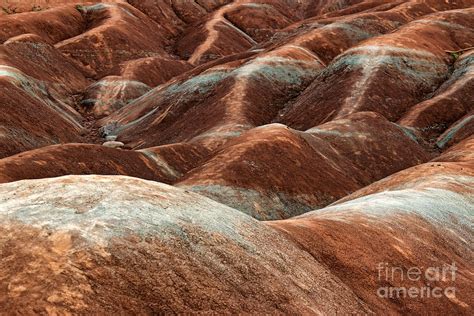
<point x="246" y="157"/>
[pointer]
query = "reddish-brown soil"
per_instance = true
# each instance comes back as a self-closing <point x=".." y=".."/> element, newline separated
<point x="234" y="156"/>
<point x="58" y="160"/>
<point x="289" y="172"/>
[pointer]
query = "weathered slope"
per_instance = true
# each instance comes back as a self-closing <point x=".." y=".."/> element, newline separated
<point x="31" y="118"/>
<point x="272" y="172"/>
<point x="217" y="103"/>
<point x="451" y="101"/>
<point x="69" y="159"/>
<point x="387" y="74"/>
<point x="52" y="25"/>
<point x="413" y="219"/>
<point x="36" y="84"/>
<point x="115" y="33"/>
<point x="81" y="244"/>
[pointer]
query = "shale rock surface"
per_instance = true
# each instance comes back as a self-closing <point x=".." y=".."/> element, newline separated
<point x="245" y="156"/>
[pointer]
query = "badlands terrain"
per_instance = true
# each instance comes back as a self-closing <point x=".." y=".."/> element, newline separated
<point x="246" y="156"/>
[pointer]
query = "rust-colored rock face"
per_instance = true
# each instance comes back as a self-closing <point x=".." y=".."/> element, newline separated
<point x="310" y="157"/>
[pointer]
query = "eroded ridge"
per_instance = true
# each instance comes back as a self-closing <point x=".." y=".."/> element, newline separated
<point x="246" y="156"/>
